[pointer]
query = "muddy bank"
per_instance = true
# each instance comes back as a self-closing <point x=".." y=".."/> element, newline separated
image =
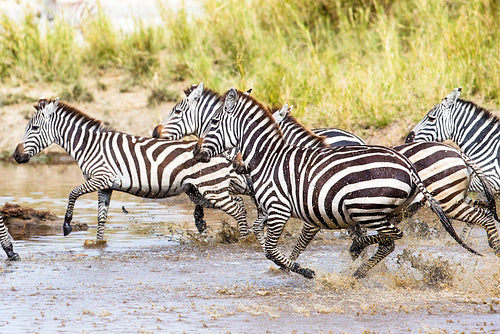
<point x="24" y="222"/>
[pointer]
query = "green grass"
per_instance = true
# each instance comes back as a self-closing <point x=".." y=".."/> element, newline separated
<point x="355" y="64"/>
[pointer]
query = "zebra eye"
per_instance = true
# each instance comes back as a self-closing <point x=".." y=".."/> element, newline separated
<point x="178" y="111"/>
<point x="35" y="127"/>
<point x="215" y="121"/>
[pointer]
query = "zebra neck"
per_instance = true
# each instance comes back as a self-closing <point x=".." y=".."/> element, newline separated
<point x="79" y="137"/>
<point x="203" y="120"/>
<point x="260" y="145"/>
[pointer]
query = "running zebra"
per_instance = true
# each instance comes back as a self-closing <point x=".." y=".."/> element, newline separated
<point x="144" y="167"/>
<point x="443" y="169"/>
<point x="327" y="188"/>
<point x="6" y="241"/>
<point x="474" y="129"/>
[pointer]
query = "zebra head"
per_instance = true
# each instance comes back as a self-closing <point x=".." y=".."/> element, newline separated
<point x="220" y="136"/>
<point x="181" y="120"/>
<point x="437" y="125"/>
<point x="38" y="134"/>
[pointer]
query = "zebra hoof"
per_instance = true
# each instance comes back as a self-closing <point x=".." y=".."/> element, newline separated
<point x="95" y="243"/>
<point x="355" y="251"/>
<point x="67" y="229"/>
<point x="14" y="257"/>
<point x="307" y="273"/>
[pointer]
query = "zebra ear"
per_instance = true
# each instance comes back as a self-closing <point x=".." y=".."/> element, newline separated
<point x="249" y="91"/>
<point x="196" y="92"/>
<point x="42" y="102"/>
<point x="451" y="98"/>
<point x="280" y="115"/>
<point x="230" y="101"/>
<point x="51" y="107"/>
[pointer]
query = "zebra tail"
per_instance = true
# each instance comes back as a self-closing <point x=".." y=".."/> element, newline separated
<point x="488" y="192"/>
<point x="436" y="208"/>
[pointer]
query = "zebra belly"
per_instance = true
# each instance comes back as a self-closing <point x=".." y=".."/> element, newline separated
<point x="355" y="195"/>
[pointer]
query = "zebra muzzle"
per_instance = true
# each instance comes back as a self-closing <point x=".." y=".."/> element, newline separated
<point x="199" y="155"/>
<point x="19" y="155"/>
<point x="410" y="137"/>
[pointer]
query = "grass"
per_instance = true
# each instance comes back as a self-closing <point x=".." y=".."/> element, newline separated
<point x="358" y="65"/>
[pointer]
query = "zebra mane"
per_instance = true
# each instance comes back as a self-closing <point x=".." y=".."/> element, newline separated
<point x="261" y="106"/>
<point x="80" y="114"/>
<point x="478" y="109"/>
<point x="290" y="118"/>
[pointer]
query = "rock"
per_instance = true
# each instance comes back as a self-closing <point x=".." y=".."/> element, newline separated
<point x="24" y="222"/>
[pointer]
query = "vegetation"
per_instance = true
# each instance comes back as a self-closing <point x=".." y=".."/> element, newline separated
<point x="357" y="65"/>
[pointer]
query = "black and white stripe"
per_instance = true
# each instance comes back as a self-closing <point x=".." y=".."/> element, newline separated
<point x="73" y="12"/>
<point x="144" y="167"/>
<point x="474" y="129"/>
<point x="6" y="242"/>
<point x="443" y="169"/>
<point x="326" y="188"/>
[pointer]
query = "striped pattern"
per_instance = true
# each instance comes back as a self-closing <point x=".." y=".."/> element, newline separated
<point x="144" y="167"/>
<point x="327" y="188"/>
<point x="295" y="133"/>
<point x="443" y="169"/>
<point x="73" y="12"/>
<point x="474" y="129"/>
<point x="5" y="241"/>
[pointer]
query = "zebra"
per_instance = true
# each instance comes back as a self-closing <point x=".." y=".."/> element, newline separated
<point x="474" y="129"/>
<point x="6" y="242"/>
<point x="330" y="188"/>
<point x="144" y="167"/>
<point x="73" y="12"/>
<point x="443" y="169"/>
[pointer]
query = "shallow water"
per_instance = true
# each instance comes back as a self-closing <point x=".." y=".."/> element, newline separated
<point x="158" y="274"/>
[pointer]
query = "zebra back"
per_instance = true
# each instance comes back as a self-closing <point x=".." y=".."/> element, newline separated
<point x="296" y="133"/>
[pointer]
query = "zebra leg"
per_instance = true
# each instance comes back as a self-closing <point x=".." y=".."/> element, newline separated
<point x="385" y="240"/>
<point x="258" y="229"/>
<point x="466" y="231"/>
<point x="276" y="224"/>
<point x="89" y="186"/>
<point x="200" y="223"/>
<point x="384" y="249"/>
<point x="233" y="206"/>
<point x="103" y="199"/>
<point x="355" y="232"/>
<point x="305" y="237"/>
<point x="5" y="240"/>
<point x="200" y="201"/>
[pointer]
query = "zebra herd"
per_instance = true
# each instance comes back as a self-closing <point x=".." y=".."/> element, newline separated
<point x="328" y="178"/>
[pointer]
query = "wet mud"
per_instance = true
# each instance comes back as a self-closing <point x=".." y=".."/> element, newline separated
<point x="157" y="274"/>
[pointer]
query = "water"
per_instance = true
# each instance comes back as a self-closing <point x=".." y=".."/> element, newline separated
<point x="157" y="274"/>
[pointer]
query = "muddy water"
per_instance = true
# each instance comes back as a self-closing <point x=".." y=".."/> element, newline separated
<point x="158" y="275"/>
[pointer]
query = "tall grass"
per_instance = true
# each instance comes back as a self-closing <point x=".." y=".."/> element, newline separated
<point x="358" y="64"/>
<point x="352" y="64"/>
